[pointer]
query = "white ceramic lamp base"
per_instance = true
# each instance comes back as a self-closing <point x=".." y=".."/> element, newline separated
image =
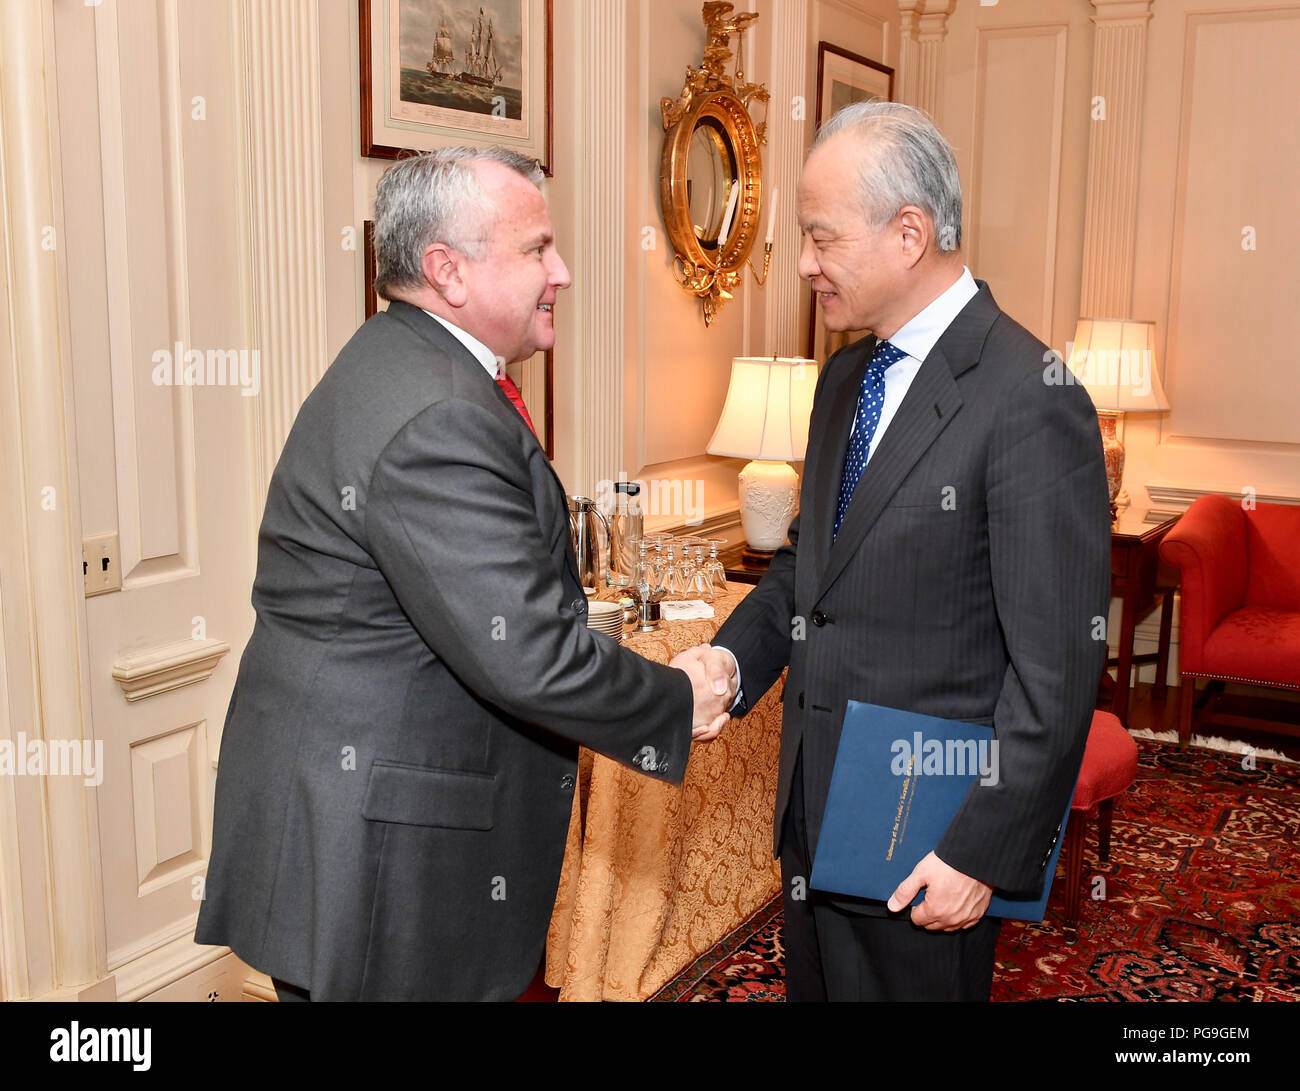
<point x="767" y="495"/>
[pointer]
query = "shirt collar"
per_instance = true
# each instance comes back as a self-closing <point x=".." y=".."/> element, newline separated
<point x="480" y="351"/>
<point x="918" y="336"/>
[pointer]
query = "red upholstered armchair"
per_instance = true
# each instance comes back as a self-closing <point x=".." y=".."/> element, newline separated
<point x="1240" y="619"/>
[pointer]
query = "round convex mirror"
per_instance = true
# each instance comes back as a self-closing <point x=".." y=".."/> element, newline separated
<point x="710" y="174"/>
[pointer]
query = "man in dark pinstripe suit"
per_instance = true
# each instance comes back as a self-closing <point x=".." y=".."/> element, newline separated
<point x="951" y="558"/>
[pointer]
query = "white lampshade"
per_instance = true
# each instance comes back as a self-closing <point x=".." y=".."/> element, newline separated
<point x="766" y="412"/>
<point x="1115" y="358"/>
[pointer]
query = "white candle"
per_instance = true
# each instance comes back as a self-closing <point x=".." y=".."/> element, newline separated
<point x="771" y="215"/>
<point x="726" y="216"/>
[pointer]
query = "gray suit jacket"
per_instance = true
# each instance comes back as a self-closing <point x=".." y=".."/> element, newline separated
<point x="398" y="762"/>
<point x="965" y="582"/>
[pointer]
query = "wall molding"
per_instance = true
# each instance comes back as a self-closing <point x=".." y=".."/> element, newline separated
<point x="259" y="987"/>
<point x="1179" y="498"/>
<point x="600" y="193"/>
<point x="1059" y="32"/>
<point x="51" y="899"/>
<point x="1181" y="319"/>
<point x="279" y="54"/>
<point x="1114" y="158"/>
<point x="713" y="526"/>
<point x="165" y="667"/>
<point x="923" y="26"/>
<point x="160" y="959"/>
<point x="786" y="140"/>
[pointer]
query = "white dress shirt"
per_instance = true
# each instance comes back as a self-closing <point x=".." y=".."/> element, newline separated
<point x="484" y="355"/>
<point x="916" y="337"/>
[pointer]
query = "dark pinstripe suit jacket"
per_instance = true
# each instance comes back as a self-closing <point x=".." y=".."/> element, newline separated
<point x="398" y="762"/>
<point x="964" y="583"/>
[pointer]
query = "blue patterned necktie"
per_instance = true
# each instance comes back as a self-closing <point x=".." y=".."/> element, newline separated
<point x="870" y="399"/>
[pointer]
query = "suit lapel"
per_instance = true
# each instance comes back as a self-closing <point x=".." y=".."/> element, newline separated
<point x="931" y="403"/>
<point x="828" y="467"/>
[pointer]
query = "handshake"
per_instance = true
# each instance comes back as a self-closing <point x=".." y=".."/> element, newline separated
<point x="712" y="672"/>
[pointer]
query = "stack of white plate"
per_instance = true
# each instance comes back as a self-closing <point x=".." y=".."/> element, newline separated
<point x="605" y="617"/>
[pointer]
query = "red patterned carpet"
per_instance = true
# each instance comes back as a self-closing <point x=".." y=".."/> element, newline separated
<point x="1200" y="900"/>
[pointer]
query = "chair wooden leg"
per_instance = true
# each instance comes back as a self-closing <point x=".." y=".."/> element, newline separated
<point x="1186" y="696"/>
<point x="1105" y="810"/>
<point x="1073" y="852"/>
<point x="1161" y="690"/>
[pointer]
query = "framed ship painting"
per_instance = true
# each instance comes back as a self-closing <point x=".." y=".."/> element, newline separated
<point x="441" y="72"/>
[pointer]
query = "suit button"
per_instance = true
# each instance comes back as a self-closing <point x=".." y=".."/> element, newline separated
<point x="578" y="606"/>
<point x="566" y="781"/>
<point x="801" y="700"/>
<point x="819" y="619"/>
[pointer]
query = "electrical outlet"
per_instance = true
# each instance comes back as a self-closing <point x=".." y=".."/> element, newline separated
<point x="101" y="564"/>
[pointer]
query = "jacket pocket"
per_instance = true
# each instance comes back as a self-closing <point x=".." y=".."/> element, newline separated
<point x="416" y="796"/>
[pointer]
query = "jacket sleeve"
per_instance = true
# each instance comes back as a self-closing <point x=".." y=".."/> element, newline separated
<point x="1049" y="549"/>
<point x="452" y="523"/>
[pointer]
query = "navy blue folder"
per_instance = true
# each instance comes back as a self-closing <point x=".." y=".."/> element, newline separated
<point x="898" y="780"/>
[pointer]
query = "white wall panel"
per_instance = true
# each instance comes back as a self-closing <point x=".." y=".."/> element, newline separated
<point x="1233" y="322"/>
<point x="1019" y="119"/>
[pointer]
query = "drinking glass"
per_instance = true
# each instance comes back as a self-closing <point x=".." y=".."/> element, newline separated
<point x="716" y="570"/>
<point x="645" y="572"/>
<point x="675" y="572"/>
<point x="697" y="582"/>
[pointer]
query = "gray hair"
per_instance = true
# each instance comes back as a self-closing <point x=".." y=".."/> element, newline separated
<point x="435" y="197"/>
<point x="906" y="161"/>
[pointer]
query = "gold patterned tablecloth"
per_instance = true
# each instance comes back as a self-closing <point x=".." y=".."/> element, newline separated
<point x="655" y="874"/>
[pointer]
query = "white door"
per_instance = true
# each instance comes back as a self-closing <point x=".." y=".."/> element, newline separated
<point x="165" y="385"/>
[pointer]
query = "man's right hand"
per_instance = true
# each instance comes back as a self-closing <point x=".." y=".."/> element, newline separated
<point x="713" y="680"/>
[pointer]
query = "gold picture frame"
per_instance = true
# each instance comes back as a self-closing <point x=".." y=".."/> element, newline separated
<point x="430" y="79"/>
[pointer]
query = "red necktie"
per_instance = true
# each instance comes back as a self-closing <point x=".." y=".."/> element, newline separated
<point x="516" y="399"/>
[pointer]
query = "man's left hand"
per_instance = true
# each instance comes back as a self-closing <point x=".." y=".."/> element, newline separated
<point x="953" y="901"/>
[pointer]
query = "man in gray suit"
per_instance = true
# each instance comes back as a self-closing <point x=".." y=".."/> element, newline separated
<point x="950" y="558"/>
<point x="399" y="758"/>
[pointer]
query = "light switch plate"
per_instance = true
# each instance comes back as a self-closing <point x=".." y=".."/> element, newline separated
<point x="102" y="564"/>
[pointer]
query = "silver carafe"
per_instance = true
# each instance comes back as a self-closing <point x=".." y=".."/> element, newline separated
<point x="584" y="516"/>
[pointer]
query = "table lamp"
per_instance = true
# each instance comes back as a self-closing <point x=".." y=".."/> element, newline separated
<point x="1115" y="358"/>
<point x="765" y="419"/>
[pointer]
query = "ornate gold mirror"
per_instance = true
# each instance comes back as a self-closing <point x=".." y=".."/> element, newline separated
<point x="711" y="172"/>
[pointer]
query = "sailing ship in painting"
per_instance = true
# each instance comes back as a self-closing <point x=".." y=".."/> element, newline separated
<point x="461" y="65"/>
<point x="481" y="67"/>
<point x="444" y="56"/>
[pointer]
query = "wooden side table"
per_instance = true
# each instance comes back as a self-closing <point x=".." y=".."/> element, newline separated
<point x="1141" y="582"/>
<point x="742" y="564"/>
